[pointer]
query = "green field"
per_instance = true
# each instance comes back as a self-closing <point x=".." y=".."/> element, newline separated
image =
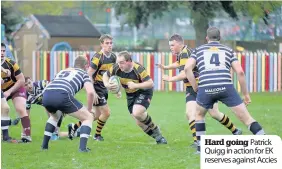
<point x="125" y="145"/>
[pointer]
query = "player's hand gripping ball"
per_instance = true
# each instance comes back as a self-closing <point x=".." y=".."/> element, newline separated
<point x="114" y="84"/>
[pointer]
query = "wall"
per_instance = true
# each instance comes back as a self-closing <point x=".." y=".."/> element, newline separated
<point x="263" y="71"/>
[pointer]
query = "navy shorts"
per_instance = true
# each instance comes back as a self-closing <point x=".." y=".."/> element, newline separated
<point x="227" y="94"/>
<point x="54" y="100"/>
<point x="2" y="94"/>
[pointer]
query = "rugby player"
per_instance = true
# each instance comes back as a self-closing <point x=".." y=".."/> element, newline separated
<point x="183" y="52"/>
<point x="214" y="62"/>
<point x="13" y="88"/>
<point x="100" y="63"/>
<point x="59" y="95"/>
<point x="139" y="92"/>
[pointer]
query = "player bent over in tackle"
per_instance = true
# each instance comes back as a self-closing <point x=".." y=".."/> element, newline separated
<point x="183" y="52"/>
<point x="13" y="88"/>
<point x="59" y="95"/>
<point x="139" y="92"/>
<point x="214" y="62"/>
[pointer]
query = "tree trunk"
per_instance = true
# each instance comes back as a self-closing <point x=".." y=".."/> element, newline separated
<point x="201" y="24"/>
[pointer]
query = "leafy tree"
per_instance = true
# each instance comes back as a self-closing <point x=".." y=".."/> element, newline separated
<point x="139" y="12"/>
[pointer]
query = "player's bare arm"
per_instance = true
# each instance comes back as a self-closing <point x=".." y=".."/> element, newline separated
<point x="144" y="85"/>
<point x="20" y="82"/>
<point x="90" y="72"/>
<point x="189" y="66"/>
<point x="179" y="77"/>
<point x="90" y="95"/>
<point x="168" y="67"/>
<point x="241" y="78"/>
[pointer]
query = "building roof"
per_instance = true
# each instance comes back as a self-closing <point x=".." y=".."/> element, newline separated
<point x="67" y="26"/>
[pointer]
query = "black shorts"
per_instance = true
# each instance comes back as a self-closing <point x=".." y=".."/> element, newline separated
<point x="141" y="98"/>
<point x="54" y="100"/>
<point x="191" y="95"/>
<point x="102" y="92"/>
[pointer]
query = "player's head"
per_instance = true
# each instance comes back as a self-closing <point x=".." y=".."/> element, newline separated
<point x="28" y="84"/>
<point x="213" y="34"/>
<point x="176" y="43"/>
<point x="106" y="41"/>
<point x="124" y="61"/>
<point x="3" y="52"/>
<point x="81" y="62"/>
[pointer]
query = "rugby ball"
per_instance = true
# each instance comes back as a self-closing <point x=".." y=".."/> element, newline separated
<point x="115" y="80"/>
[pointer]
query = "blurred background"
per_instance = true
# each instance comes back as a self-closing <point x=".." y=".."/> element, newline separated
<point x="36" y="32"/>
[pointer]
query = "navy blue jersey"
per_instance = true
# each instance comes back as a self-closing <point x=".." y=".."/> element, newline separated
<point x="70" y="80"/>
<point x="213" y="61"/>
<point x="35" y="97"/>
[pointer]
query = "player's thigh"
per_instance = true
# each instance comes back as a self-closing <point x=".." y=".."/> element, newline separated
<point x="20" y="105"/>
<point x="82" y="114"/>
<point x="215" y="113"/>
<point x="242" y="113"/>
<point x="5" y="108"/>
<point x="141" y="104"/>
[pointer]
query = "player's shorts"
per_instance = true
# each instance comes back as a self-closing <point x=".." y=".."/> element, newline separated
<point x="207" y="96"/>
<point x="54" y="100"/>
<point x="21" y="92"/>
<point x="2" y="94"/>
<point x="102" y="93"/>
<point x="141" y="98"/>
<point x="191" y="95"/>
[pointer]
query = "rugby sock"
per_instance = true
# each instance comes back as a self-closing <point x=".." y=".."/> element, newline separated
<point x="85" y="131"/>
<point x="256" y="128"/>
<point x="100" y="125"/>
<point x="26" y="125"/>
<point x="60" y="121"/>
<point x="49" y="129"/>
<point x="193" y="129"/>
<point x="77" y="125"/>
<point x="148" y="122"/>
<point x="5" y="123"/>
<point x="228" y="124"/>
<point x="200" y="130"/>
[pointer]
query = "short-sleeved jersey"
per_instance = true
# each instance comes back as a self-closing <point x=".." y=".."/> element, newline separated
<point x="182" y="59"/>
<point x="101" y="63"/>
<point x="15" y="71"/>
<point x="35" y="97"/>
<point x="70" y="80"/>
<point x="214" y="63"/>
<point x="137" y="75"/>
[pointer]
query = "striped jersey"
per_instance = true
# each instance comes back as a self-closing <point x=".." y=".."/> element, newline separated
<point x="70" y="80"/>
<point x="9" y="81"/>
<point x="101" y="63"/>
<point x="182" y="58"/>
<point x="35" y="97"/>
<point x="213" y="61"/>
<point x="137" y="75"/>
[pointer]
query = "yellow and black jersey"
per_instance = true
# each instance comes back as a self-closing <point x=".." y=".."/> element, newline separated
<point x="182" y="59"/>
<point x="101" y="63"/>
<point x="15" y="71"/>
<point x="137" y="75"/>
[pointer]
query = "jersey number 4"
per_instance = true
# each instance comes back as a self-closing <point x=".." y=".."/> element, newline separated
<point x="67" y="75"/>
<point x="215" y="59"/>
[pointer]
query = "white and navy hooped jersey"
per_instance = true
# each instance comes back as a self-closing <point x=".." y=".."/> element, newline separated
<point x="35" y="97"/>
<point x="214" y="63"/>
<point x="70" y="80"/>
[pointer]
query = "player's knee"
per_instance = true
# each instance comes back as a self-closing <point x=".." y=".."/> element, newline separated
<point x="106" y="112"/>
<point x="22" y="111"/>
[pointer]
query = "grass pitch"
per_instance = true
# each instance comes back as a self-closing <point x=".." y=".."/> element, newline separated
<point x="125" y="145"/>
